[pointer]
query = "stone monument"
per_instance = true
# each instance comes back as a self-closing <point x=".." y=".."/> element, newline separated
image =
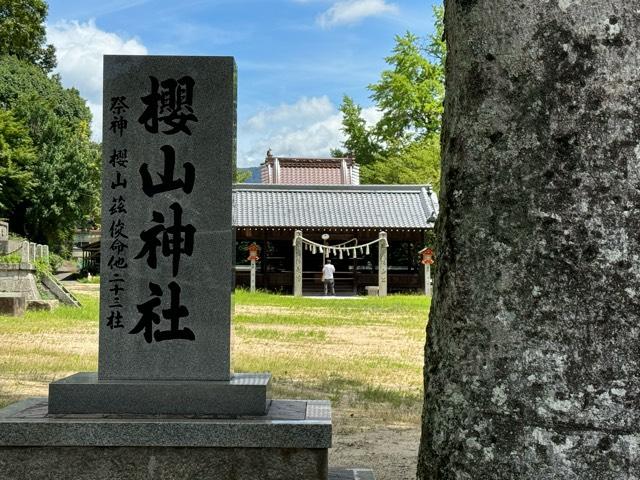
<point x="167" y="246"/>
<point x="165" y="402"/>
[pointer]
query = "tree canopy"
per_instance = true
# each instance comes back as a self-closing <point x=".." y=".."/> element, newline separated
<point x="22" y="32"/>
<point x="45" y="145"/>
<point x="16" y="159"/>
<point x="403" y="146"/>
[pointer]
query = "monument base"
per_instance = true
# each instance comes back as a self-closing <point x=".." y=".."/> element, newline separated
<point x="83" y="393"/>
<point x="290" y="442"/>
<point x="351" y="474"/>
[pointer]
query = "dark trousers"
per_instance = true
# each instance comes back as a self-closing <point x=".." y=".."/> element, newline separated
<point x="329" y="284"/>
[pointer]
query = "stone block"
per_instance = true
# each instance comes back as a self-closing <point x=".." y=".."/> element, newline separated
<point x="19" y="279"/>
<point x="290" y="442"/>
<point x="45" y="305"/>
<point x="351" y="474"/>
<point x="4" y="230"/>
<point x="12" y="304"/>
<point x="83" y="393"/>
<point x="372" y="290"/>
<point x="287" y="424"/>
<point x="170" y="463"/>
<point x="24" y="253"/>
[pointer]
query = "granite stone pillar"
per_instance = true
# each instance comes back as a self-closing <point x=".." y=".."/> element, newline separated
<point x="382" y="264"/>
<point x="24" y="252"/>
<point x="532" y="368"/>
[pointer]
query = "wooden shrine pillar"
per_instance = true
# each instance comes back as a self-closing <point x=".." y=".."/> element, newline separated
<point x="297" y="264"/>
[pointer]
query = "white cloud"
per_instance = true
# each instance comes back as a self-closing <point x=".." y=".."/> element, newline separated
<point x="371" y="115"/>
<point x="304" y="110"/>
<point x="346" y="12"/>
<point x="79" y="49"/>
<point x="310" y="127"/>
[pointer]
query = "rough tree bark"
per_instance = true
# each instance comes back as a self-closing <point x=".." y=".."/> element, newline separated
<point x="532" y="366"/>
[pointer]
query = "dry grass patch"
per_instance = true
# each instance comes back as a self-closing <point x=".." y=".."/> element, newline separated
<point x="364" y="355"/>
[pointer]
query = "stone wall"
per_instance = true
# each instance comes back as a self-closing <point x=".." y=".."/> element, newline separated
<point x="19" y="278"/>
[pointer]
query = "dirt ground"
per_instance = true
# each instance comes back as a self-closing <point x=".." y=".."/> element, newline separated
<point x="390" y="452"/>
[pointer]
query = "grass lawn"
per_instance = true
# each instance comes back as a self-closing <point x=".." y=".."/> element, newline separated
<point x="363" y="354"/>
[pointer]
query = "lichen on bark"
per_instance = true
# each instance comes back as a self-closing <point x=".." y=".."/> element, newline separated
<point x="532" y="363"/>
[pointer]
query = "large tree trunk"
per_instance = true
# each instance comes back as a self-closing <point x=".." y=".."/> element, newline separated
<point x="533" y="352"/>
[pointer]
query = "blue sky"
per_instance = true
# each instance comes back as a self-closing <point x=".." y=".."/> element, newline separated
<point x="296" y="58"/>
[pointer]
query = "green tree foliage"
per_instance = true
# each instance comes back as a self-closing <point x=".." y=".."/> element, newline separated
<point x="16" y="158"/>
<point x="404" y="146"/>
<point x="409" y="95"/>
<point x="22" y="32"/>
<point x="241" y="175"/>
<point x="360" y="140"/>
<point x="417" y="163"/>
<point x="65" y="171"/>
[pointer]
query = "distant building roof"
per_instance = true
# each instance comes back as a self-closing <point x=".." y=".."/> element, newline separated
<point x="309" y="171"/>
<point x="334" y="206"/>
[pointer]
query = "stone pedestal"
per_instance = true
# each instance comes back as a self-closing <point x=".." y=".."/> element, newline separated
<point x="83" y="393"/>
<point x="19" y="279"/>
<point x="351" y="474"/>
<point x="290" y="442"/>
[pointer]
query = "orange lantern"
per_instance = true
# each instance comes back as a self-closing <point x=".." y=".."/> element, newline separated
<point x="426" y="256"/>
<point x="253" y="252"/>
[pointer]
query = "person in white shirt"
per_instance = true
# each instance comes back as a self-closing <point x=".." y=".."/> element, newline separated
<point x="327" y="278"/>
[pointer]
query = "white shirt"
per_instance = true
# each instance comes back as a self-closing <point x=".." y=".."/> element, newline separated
<point x="327" y="271"/>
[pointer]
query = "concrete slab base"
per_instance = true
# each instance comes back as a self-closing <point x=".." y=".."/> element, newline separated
<point x="290" y="442"/>
<point x="351" y="474"/>
<point x="83" y="393"/>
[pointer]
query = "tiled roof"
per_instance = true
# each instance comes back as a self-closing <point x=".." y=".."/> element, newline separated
<point x="296" y="175"/>
<point x="334" y="206"/>
<point x="310" y="171"/>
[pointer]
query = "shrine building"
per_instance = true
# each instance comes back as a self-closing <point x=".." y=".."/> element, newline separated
<point x="341" y="218"/>
<point x="337" y="219"/>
